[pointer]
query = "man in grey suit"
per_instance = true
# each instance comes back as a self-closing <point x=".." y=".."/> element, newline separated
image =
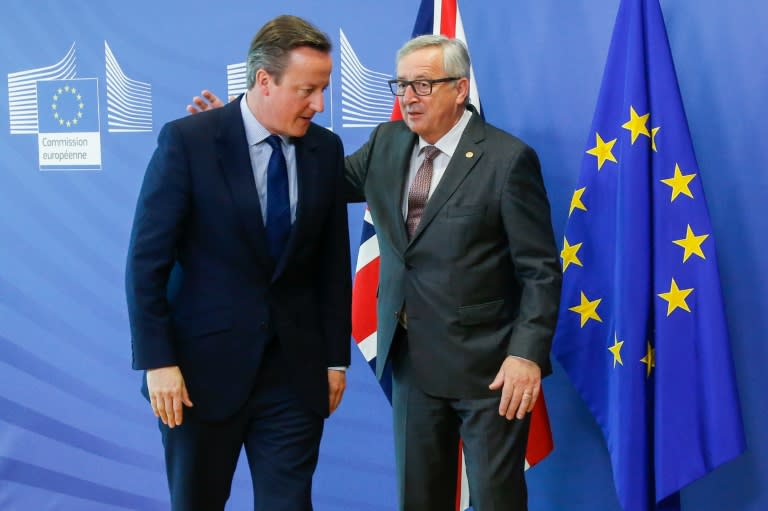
<point x="469" y="282"/>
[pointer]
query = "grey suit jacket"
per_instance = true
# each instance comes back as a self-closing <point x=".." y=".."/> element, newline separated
<point x="480" y="279"/>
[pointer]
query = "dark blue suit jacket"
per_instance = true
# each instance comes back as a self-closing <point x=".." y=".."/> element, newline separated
<point x="202" y="290"/>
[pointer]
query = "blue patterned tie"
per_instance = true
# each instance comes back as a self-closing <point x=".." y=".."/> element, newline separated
<point x="278" y="222"/>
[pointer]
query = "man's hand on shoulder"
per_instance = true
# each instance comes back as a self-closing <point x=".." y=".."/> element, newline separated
<point x="167" y="394"/>
<point x="206" y="101"/>
<point x="520" y="382"/>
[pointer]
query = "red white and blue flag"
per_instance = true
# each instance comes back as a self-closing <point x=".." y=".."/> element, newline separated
<point x="434" y="17"/>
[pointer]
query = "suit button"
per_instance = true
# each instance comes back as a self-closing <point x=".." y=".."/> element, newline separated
<point x="263" y="325"/>
<point x="408" y="266"/>
<point x="397" y="314"/>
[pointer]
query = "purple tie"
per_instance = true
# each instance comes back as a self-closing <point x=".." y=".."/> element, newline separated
<point x="419" y="192"/>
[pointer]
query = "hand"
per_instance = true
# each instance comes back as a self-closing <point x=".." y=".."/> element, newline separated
<point x="208" y="101"/>
<point x="520" y="382"/>
<point x="337" y="382"/>
<point x="167" y="392"/>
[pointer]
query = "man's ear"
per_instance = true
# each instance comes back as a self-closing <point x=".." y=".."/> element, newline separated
<point x="462" y="86"/>
<point x="262" y="82"/>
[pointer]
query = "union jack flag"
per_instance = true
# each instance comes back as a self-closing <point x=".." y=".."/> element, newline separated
<point x="434" y="17"/>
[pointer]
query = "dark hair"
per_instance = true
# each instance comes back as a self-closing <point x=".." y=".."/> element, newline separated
<point x="272" y="45"/>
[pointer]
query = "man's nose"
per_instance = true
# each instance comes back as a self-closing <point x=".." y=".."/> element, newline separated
<point x="317" y="102"/>
<point x="410" y="94"/>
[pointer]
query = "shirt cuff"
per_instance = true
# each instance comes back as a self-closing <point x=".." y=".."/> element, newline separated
<point x="338" y="368"/>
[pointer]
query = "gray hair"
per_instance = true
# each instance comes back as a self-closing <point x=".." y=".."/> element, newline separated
<point x="455" y="55"/>
<point x="272" y="45"/>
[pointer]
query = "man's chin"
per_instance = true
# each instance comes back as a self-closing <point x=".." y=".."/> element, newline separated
<point x="414" y="126"/>
<point x="300" y="127"/>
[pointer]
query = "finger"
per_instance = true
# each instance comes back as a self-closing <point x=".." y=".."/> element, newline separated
<point x="185" y="397"/>
<point x="168" y="410"/>
<point x="177" y="411"/>
<point x="332" y="403"/>
<point x="525" y="402"/>
<point x="213" y="99"/>
<point x="506" y="398"/>
<point x="200" y="103"/>
<point x="160" y="407"/>
<point x="514" y="403"/>
<point x="497" y="382"/>
<point x="334" y="398"/>
<point x="535" y="397"/>
<point x="153" y="404"/>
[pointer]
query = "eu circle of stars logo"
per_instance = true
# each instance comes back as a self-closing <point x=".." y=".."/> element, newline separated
<point x="67" y="106"/>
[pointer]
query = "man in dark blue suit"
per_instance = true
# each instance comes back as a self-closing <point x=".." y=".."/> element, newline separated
<point x="238" y="280"/>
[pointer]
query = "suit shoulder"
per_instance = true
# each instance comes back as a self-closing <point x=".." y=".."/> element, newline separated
<point x="202" y="121"/>
<point x="323" y="135"/>
<point x="498" y="136"/>
<point x="392" y="127"/>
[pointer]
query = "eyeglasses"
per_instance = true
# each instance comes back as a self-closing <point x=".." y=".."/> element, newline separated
<point x="420" y="87"/>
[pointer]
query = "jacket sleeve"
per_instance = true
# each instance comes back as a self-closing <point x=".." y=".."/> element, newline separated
<point x="162" y="206"/>
<point x="526" y="217"/>
<point x="336" y="282"/>
<point x="356" y="170"/>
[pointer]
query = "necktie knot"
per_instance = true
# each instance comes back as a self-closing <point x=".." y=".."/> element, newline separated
<point x="274" y="142"/>
<point x="430" y="152"/>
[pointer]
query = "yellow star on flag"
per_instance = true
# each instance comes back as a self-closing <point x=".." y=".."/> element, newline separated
<point x="675" y="298"/>
<point x="616" y="350"/>
<point x="653" y="137"/>
<point x="692" y="244"/>
<point x="602" y="151"/>
<point x="649" y="359"/>
<point x="569" y="254"/>
<point x="679" y="183"/>
<point x="576" y="200"/>
<point x="587" y="309"/>
<point x="636" y="124"/>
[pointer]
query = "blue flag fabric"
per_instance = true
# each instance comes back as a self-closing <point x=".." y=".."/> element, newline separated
<point x="642" y="331"/>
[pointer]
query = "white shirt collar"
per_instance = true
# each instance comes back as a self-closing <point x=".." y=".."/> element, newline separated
<point x="448" y="142"/>
<point x="255" y="132"/>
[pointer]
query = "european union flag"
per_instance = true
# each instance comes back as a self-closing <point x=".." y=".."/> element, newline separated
<point x="642" y="331"/>
<point x="68" y="106"/>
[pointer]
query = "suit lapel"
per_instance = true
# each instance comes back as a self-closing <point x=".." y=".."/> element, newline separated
<point x="396" y="180"/>
<point x="235" y="162"/>
<point x="466" y="155"/>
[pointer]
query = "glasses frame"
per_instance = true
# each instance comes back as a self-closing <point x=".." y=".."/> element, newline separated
<point x="394" y="85"/>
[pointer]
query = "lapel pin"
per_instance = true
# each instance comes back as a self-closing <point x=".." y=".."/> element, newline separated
<point x="469" y="154"/>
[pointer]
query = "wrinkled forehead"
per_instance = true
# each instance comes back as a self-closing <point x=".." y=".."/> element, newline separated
<point x="421" y="63"/>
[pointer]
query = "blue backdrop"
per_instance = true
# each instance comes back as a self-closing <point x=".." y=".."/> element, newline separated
<point x="75" y="433"/>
